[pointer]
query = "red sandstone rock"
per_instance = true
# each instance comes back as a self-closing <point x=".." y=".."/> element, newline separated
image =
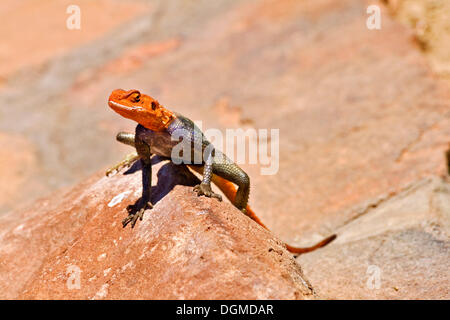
<point x="185" y="248"/>
<point x="18" y="171"/>
<point x="46" y="33"/>
<point x="361" y="118"/>
<point x="397" y="248"/>
<point x="359" y="111"/>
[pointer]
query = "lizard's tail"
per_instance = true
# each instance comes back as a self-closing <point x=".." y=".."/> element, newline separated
<point x="298" y="250"/>
<point x="229" y="190"/>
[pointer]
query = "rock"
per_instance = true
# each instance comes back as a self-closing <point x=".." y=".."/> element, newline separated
<point x="361" y="115"/>
<point x="16" y="54"/>
<point x="185" y="248"/>
<point x="359" y="111"/>
<point x="430" y="22"/>
<point x="397" y="248"/>
<point x="18" y="163"/>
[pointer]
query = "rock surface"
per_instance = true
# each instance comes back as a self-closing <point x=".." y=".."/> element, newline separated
<point x="21" y="48"/>
<point x="397" y="248"/>
<point x="362" y="120"/>
<point x="185" y="248"/>
<point x="430" y="22"/>
<point x="359" y="110"/>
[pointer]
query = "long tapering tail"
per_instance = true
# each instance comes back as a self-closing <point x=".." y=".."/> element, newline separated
<point x="229" y="190"/>
<point x="298" y="250"/>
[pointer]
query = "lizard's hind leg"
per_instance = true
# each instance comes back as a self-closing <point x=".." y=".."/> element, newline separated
<point x="126" y="138"/>
<point x="231" y="172"/>
<point x="125" y="163"/>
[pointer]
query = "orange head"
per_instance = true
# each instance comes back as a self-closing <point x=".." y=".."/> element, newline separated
<point x="141" y="108"/>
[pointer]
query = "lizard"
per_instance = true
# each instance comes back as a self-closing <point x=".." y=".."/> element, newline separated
<point x="157" y="133"/>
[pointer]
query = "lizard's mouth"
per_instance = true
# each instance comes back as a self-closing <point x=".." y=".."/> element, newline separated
<point x="156" y="120"/>
<point x="136" y="113"/>
<point x="121" y="107"/>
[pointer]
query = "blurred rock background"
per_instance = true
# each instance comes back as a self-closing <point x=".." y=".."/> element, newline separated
<point x="430" y="22"/>
<point x="364" y="115"/>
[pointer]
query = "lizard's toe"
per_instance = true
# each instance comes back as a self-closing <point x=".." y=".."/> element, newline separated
<point x="217" y="196"/>
<point x="205" y="190"/>
<point x="130" y="208"/>
<point x="114" y="170"/>
<point x="133" y="218"/>
<point x="125" y="163"/>
<point x="138" y="215"/>
<point x="127" y="220"/>
<point x="136" y="211"/>
<point x="110" y="171"/>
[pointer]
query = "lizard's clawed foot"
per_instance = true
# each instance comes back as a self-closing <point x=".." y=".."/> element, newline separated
<point x="205" y="190"/>
<point x="125" y="163"/>
<point x="136" y="211"/>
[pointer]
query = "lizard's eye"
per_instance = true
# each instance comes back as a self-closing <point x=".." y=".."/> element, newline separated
<point x="153" y="105"/>
<point x="136" y="97"/>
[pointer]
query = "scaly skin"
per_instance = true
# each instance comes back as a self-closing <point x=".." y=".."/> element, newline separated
<point x="157" y="126"/>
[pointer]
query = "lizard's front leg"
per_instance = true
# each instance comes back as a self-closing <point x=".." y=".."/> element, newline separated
<point x="136" y="211"/>
<point x="204" y="188"/>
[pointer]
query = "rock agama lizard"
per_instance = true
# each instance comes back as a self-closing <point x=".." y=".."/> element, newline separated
<point x="155" y="135"/>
